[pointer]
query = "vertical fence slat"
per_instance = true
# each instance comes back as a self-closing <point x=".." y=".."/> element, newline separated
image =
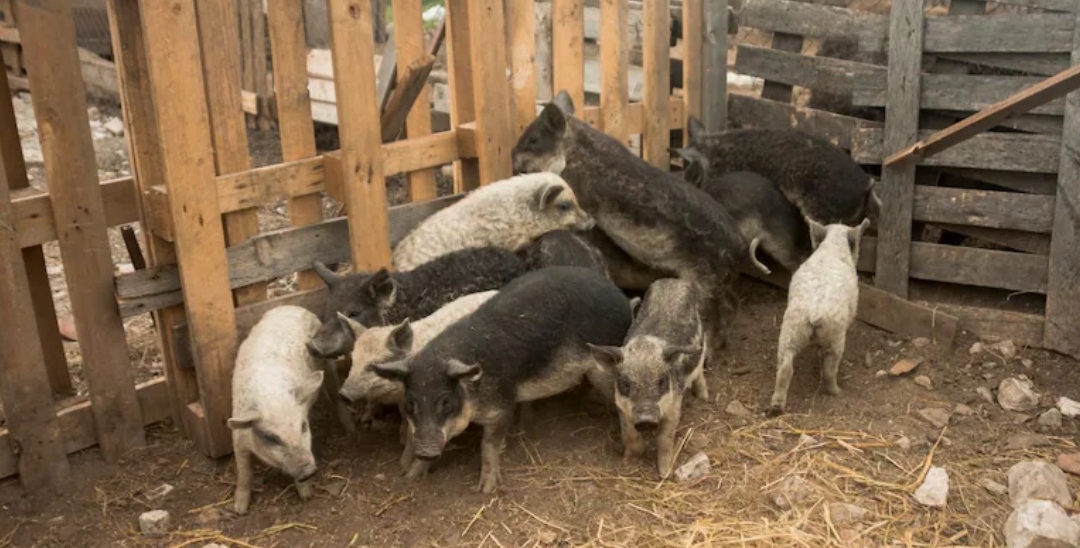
<point x="462" y="107"/>
<point x="614" y="64"/>
<point x="1063" y="296"/>
<point x="243" y="8"/>
<point x="176" y="79"/>
<point x="656" y="62"/>
<point x="494" y="125"/>
<point x="221" y="67"/>
<point x="258" y="48"/>
<point x="544" y="71"/>
<point x="693" y="22"/>
<point x="288" y="47"/>
<point x="24" y="383"/>
<point x="409" y="40"/>
<point x="901" y="131"/>
<point x="523" y="62"/>
<point x="568" y="53"/>
<point x="59" y="95"/>
<point x="712" y="62"/>
<point x="361" y="140"/>
<point x="52" y="346"/>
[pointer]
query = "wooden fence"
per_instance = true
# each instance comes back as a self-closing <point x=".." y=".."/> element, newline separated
<point x="206" y="283"/>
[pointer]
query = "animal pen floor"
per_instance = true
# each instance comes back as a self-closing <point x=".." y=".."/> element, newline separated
<point x="563" y="481"/>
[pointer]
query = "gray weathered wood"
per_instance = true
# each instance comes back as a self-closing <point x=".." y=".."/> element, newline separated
<point x="996" y="151"/>
<point x="1063" y="296"/>
<point x="1058" y="5"/>
<point x="779" y="91"/>
<point x="960" y="92"/>
<point x="1047" y="64"/>
<point x="746" y="111"/>
<point x="1036" y="244"/>
<point x="714" y="111"/>
<point x="1031" y="183"/>
<point x="385" y="78"/>
<point x="818" y="21"/>
<point x="1029" y="33"/>
<point x="267" y="256"/>
<point x="901" y="131"/>
<point x="1022" y="329"/>
<point x="817" y="73"/>
<point x="1008" y="210"/>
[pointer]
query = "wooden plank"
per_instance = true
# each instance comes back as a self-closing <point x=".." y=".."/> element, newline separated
<point x="59" y="97"/>
<point x="24" y="383"/>
<point x="268" y="256"/>
<point x="1063" y="295"/>
<point x="714" y="112"/>
<point x="387" y="72"/>
<point x="778" y="91"/>
<point x="1022" y="329"/>
<point x="361" y="158"/>
<point x="462" y="107"/>
<point x="409" y="41"/>
<point x="1047" y="64"/>
<point x="1037" y="244"/>
<point x="243" y="8"/>
<point x="614" y="48"/>
<point x="258" y="46"/>
<point x="1031" y="183"/>
<point x="747" y="111"/>
<point x="221" y="70"/>
<point x="695" y="51"/>
<point x="522" y="31"/>
<point x="985" y="208"/>
<point x="413" y="80"/>
<point x="891" y="313"/>
<point x="288" y="48"/>
<point x="33" y="211"/>
<point x="544" y="71"/>
<point x="1057" y="5"/>
<point x="818" y="73"/>
<point x="901" y="128"/>
<point x="978" y="267"/>
<point x="656" y="134"/>
<point x="568" y="48"/>
<point x="76" y="430"/>
<point x="178" y="90"/>
<point x="995" y="151"/>
<point x="494" y="125"/>
<point x="804" y="19"/>
<point x="999" y="33"/>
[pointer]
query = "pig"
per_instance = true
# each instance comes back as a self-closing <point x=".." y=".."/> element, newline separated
<point x="652" y="215"/>
<point x="817" y="177"/>
<point x="564" y="248"/>
<point x="627" y="272"/>
<point x="274" y="384"/>
<point x="384" y="343"/>
<point x="509" y="214"/>
<point x="663" y="356"/>
<point x="526" y="343"/>
<point x="822" y="300"/>
<point x="383" y="298"/>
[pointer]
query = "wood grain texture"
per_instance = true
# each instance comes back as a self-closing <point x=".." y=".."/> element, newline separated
<point x="409" y="42"/>
<point x="694" y="51"/>
<point x="361" y="141"/>
<point x="1063" y="295"/>
<point x="411" y="83"/>
<point x="1028" y="33"/>
<point x="1047" y="64"/>
<point x="987" y="151"/>
<point x="961" y="92"/>
<point x="970" y="266"/>
<point x="818" y="73"/>
<point x="494" y="123"/>
<point x="1036" y="244"/>
<point x="804" y="19"/>
<point x="614" y="64"/>
<point x="567" y="45"/>
<point x="747" y="111"/>
<point x="657" y="68"/>
<point x="989" y="209"/>
<point x="1022" y="329"/>
<point x="901" y="130"/>
<point x="1031" y="183"/>
<point x="779" y="91"/>
<point x="179" y="97"/>
<point x="1058" y="5"/>
<point x="59" y="97"/>
<point x="460" y="69"/>
<point x="522" y="31"/>
<point x="887" y="311"/>
<point x="714" y="112"/>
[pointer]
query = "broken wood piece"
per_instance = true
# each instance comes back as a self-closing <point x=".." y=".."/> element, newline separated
<point x="1034" y="96"/>
<point x="404" y="96"/>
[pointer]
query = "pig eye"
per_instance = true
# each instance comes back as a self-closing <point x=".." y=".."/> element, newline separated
<point x="410" y="405"/>
<point x="562" y="207"/>
<point x="623" y="385"/>
<point x="444" y="404"/>
<point x="268" y="438"/>
<point x="304" y="428"/>
<point x="662" y="384"/>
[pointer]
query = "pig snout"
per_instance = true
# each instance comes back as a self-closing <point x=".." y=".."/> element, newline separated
<point x="646" y="420"/>
<point x="307" y="472"/>
<point x="587" y="224"/>
<point x="428" y="451"/>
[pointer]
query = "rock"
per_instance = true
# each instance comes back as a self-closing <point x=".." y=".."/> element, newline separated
<point x="214" y="545"/>
<point x="694" y="469"/>
<point x="935" y="416"/>
<point x="976" y="348"/>
<point x="1068" y="407"/>
<point x="842" y="513"/>
<point x="963" y="410"/>
<point x="547" y="536"/>
<point x="154" y="523"/>
<point x="807" y="440"/>
<point x="903" y="366"/>
<point x="1028" y="364"/>
<point x="881" y="373"/>
<point x="66" y="324"/>
<point x="1017" y="394"/>
<point x="935" y="488"/>
<point x="115" y="126"/>
<point x="1018" y="442"/>
<point x="994" y="487"/>
<point x="1040" y="524"/>
<point x="737" y="409"/>
<point x="160" y="491"/>
<point x="792" y="491"/>
<point x="904" y="443"/>
<point x="380" y="477"/>
<point x="93" y="113"/>
<point x="1030" y="480"/>
<point x="1050" y="419"/>
<point x="1069" y="462"/>
<point x="924" y="381"/>
<point x="209" y="516"/>
<point x="985" y="394"/>
<point x="920" y="342"/>
<point x="1006" y="348"/>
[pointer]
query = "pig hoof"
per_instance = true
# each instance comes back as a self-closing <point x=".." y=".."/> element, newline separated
<point x="488" y="485"/>
<point x="406" y="461"/>
<point x="304" y="490"/>
<point x="833" y="390"/>
<point x="418" y="470"/>
<point x="241" y="507"/>
<point x="774" y="411"/>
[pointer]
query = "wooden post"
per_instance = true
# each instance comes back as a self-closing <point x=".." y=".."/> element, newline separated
<point x="59" y="95"/>
<point x="713" y="65"/>
<point x="176" y="79"/>
<point x="494" y="126"/>
<point x="792" y="43"/>
<point x="614" y="64"/>
<point x="24" y="383"/>
<point x="295" y="125"/>
<point x="901" y="130"/>
<point x="361" y="140"/>
<point x="568" y="52"/>
<point x="1063" y="288"/>
<point x="462" y="107"/>
<point x="147" y="168"/>
<point x="656" y="48"/>
<point x="544" y="71"/>
<point x="523" y="61"/>
<point x="52" y="346"/>
<point x="247" y="55"/>
<point x="694" y="51"/>
<point x="258" y="50"/>
<point x="409" y="37"/>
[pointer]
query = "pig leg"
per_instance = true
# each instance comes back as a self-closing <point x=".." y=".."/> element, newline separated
<point x="407" y="455"/>
<point x="834" y="352"/>
<point x="418" y="469"/>
<point x="331" y="386"/>
<point x="699" y="387"/>
<point x="525" y="414"/>
<point x="244" y="473"/>
<point x="783" y="379"/>
<point x="665" y="441"/>
<point x="490" y="450"/>
<point x="633" y="443"/>
<point x="305" y="489"/>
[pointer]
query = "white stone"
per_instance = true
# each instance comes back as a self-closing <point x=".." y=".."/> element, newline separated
<point x="1006" y="348"/>
<point x="805" y="440"/>
<point x="1068" y="407"/>
<point x="737" y="409"/>
<point x="994" y="487"/>
<point x="154" y="523"/>
<point x="1040" y="523"/>
<point x="976" y="348"/>
<point x="842" y="513"/>
<point x="115" y="126"/>
<point x="1050" y="419"/>
<point x="924" y="381"/>
<point x="214" y="545"/>
<point x="792" y="491"/>
<point x="985" y="394"/>
<point x="160" y="491"/>
<point x="1037" y="480"/>
<point x="904" y="443"/>
<point x="935" y="416"/>
<point x="935" y="488"/>
<point x="1017" y="394"/>
<point x="694" y="469"/>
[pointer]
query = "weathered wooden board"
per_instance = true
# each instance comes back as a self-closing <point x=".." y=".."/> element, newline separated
<point x="568" y="52"/>
<point x="694" y="58"/>
<point x="815" y="20"/>
<point x="1059" y="5"/>
<point x="817" y="73"/>
<point x="521" y="28"/>
<point x="984" y="208"/>
<point x="967" y="266"/>
<point x="494" y="123"/>
<point x="714" y="65"/>
<point x="1047" y="64"/>
<point x="960" y="92"/>
<point x="746" y="111"/>
<point x="999" y="33"/>
<point x="996" y="151"/>
<point x="1028" y="242"/>
<point x="614" y="61"/>
<point x="1022" y="329"/>
<point x="1031" y="183"/>
<point x="409" y="40"/>
<point x="656" y="134"/>
<point x="460" y="70"/>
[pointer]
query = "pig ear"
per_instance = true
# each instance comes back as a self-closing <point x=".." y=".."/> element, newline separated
<point x="246" y="420"/>
<point x="381" y="287"/>
<point x="564" y="102"/>
<point x="855" y="234"/>
<point x="695" y="129"/>
<point x="817" y="231"/>
<point x="460" y="371"/>
<point x="350" y="325"/>
<point x="391" y="371"/>
<point x="327" y="275"/>
<point x="548" y="195"/>
<point x="672" y="353"/>
<point x="554" y="120"/>
<point x="401" y="339"/>
<point x="608" y="357"/>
